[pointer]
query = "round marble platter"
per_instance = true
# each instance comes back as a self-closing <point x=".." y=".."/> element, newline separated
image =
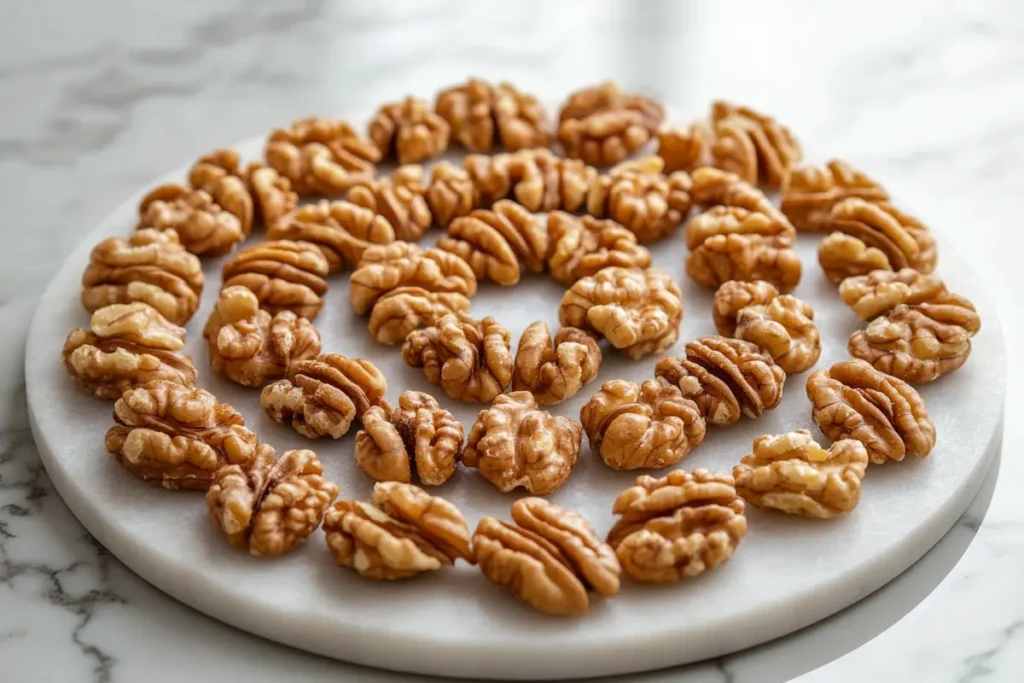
<point x="787" y="573"/>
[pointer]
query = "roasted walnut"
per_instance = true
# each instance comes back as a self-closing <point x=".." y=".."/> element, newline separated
<point x="554" y="371"/>
<point x="730" y="243"/>
<point x="284" y="276"/>
<point x="603" y="125"/>
<point x="513" y="443"/>
<point x="579" y="246"/>
<point x="220" y="175"/>
<point x="881" y="291"/>
<point x="451" y="193"/>
<point x="177" y="436"/>
<point x="735" y="295"/>
<point x="685" y="149"/>
<point x="873" y="237"/>
<point x="432" y="269"/>
<point x="483" y="116"/>
<point x="405" y="309"/>
<point x="405" y="532"/>
<point x="417" y="437"/>
<point x="852" y="400"/>
<point x="250" y="346"/>
<point x="126" y="345"/>
<point x="409" y="131"/>
<point x="272" y="193"/>
<point x="640" y="197"/>
<point x="150" y="267"/>
<point x="678" y="526"/>
<point x="471" y="360"/>
<point x="713" y="187"/>
<point x="645" y="426"/>
<point x="792" y="473"/>
<point x="343" y="230"/>
<point x="755" y="147"/>
<point x="400" y="199"/>
<point x="541" y="181"/>
<point x="549" y="560"/>
<point x="638" y="311"/>
<point x="203" y="226"/>
<point x="321" y="156"/>
<point x="785" y="328"/>
<point x="268" y="507"/>
<point x="810" y="192"/>
<point x="494" y="241"/>
<point x="725" y="378"/>
<point x="323" y="395"/>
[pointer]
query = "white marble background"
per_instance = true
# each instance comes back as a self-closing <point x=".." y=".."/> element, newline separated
<point x="100" y="97"/>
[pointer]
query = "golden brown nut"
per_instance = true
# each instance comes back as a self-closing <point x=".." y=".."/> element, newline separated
<point x="220" y="175"/>
<point x="602" y="125"/>
<point x="409" y="131"/>
<point x="638" y="311"/>
<point x="483" y="116"/>
<point x="685" y="149"/>
<point x="494" y="241"/>
<point x="852" y="400"/>
<point x="126" y="345"/>
<point x="272" y="193"/>
<point x="341" y="229"/>
<point x="491" y="176"/>
<point x="405" y="532"/>
<point x="417" y="437"/>
<point x="451" y="193"/>
<point x="756" y="147"/>
<point x="792" y="473"/>
<point x="151" y="267"/>
<point x="579" y="246"/>
<point x="323" y="395"/>
<point x="881" y="291"/>
<point x="554" y="371"/>
<point x="284" y="276"/>
<point x="432" y="269"/>
<point x="405" y="309"/>
<point x="203" y="226"/>
<point x="730" y="243"/>
<point x="810" y="192"/>
<point x="873" y="237"/>
<point x="725" y="378"/>
<point x="678" y="526"/>
<point x="471" y="360"/>
<point x="541" y="181"/>
<point x="735" y="295"/>
<point x="268" y="507"/>
<point x="177" y="436"/>
<point x="400" y="199"/>
<point x="713" y="187"/>
<point x="549" y="560"/>
<point x="640" y="197"/>
<point x="251" y="347"/>
<point x="387" y="253"/>
<point x="644" y="426"/>
<point x="513" y="443"/>
<point x="321" y="156"/>
<point x="784" y="328"/>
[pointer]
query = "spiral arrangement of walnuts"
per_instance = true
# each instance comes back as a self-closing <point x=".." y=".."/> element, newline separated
<point x="590" y="240"/>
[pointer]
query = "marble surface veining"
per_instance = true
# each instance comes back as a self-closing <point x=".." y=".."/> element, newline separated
<point x="101" y="97"/>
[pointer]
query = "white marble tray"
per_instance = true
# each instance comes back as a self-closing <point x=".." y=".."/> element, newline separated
<point x="787" y="573"/>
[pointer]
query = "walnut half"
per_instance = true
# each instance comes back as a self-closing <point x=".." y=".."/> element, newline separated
<point x="284" y="276"/>
<point x="554" y="370"/>
<point x="579" y="246"/>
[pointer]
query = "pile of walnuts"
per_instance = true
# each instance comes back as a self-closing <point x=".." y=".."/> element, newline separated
<point x="512" y="209"/>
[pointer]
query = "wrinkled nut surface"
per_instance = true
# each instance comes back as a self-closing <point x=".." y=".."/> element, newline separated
<point x="220" y="174"/>
<point x="405" y="309"/>
<point x="271" y="191"/>
<point x="409" y="131"/>
<point x="602" y="125"/>
<point x="126" y="345"/>
<point x="268" y="507"/>
<point x="735" y="295"/>
<point x="752" y="145"/>
<point x="150" y="267"/>
<point x="579" y="246"/>
<point x="250" y="346"/>
<point x="451" y="193"/>
<point x="321" y="156"/>
<point x="470" y="360"/>
<point x="731" y="243"/>
<point x="678" y="526"/>
<point x="785" y="328"/>
<point x="434" y="270"/>
<point x="284" y="276"/>
<point x="880" y="291"/>
<point x="417" y="437"/>
<point x="810" y="192"/>
<point x="494" y="242"/>
<point x="323" y="395"/>
<point x="541" y="181"/>
<point x="685" y="149"/>
<point x="638" y="311"/>
<point x="400" y="199"/>
<point x="203" y="226"/>
<point x="643" y="426"/>
<point x="711" y="187"/>
<point x="554" y="370"/>
<point x="405" y="532"/>
<point x="513" y="443"/>
<point x="641" y="198"/>
<point x="342" y="229"/>
<point x="483" y="116"/>
<point x="853" y="400"/>
<point x="793" y="474"/>
<point x="177" y="436"/>
<point x="725" y="378"/>
<point x="873" y="237"/>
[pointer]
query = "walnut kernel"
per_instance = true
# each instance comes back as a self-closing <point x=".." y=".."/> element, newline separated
<point x="432" y="269"/>
<point x="579" y="246"/>
<point x="409" y="131"/>
<point x="494" y="241"/>
<point x="405" y="309"/>
<point x="203" y="226"/>
<point x="810" y="192"/>
<point x="321" y="156"/>
<point x="284" y="276"/>
<point x="553" y="371"/>
<point x="400" y="199"/>
<point x="341" y="229"/>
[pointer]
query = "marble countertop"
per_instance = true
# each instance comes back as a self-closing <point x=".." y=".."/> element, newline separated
<point x="101" y="97"/>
